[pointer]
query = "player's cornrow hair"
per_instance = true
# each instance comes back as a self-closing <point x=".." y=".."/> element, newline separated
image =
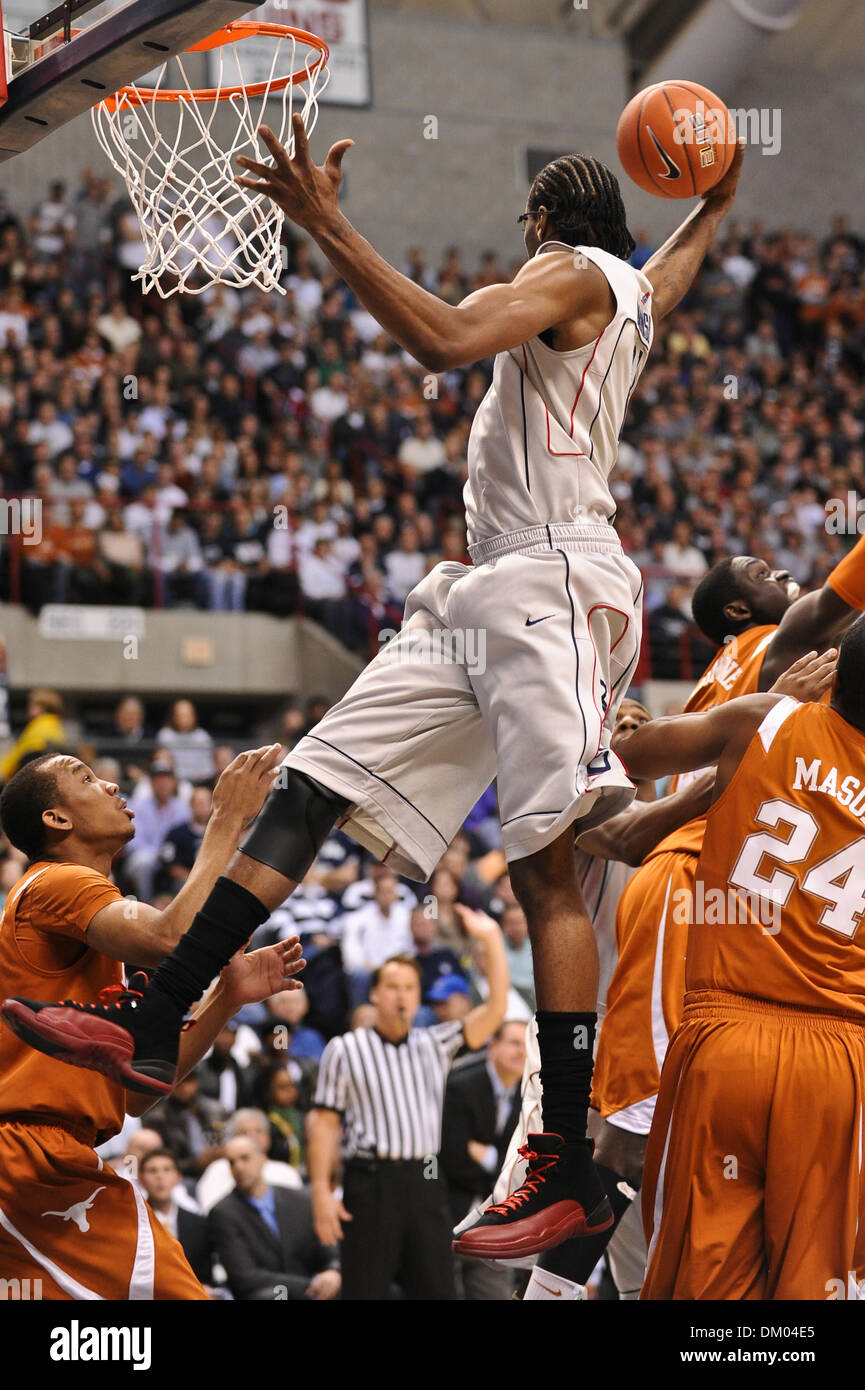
<point x="31" y="791"/>
<point x="584" y="203"/>
<point x="711" y="596"/>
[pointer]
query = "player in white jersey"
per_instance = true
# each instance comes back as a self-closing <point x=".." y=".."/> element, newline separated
<point x="512" y="666"/>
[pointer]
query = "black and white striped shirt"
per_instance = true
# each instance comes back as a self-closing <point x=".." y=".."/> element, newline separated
<point x="390" y="1095"/>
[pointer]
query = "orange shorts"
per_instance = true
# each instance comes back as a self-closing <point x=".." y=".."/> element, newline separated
<point x="754" y="1186"/>
<point x="644" y="1000"/>
<point x="77" y="1230"/>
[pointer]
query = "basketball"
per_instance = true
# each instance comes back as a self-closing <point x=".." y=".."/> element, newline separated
<point x="675" y="139"/>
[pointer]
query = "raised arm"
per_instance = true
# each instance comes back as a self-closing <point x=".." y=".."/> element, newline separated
<point x="820" y="619"/>
<point x="488" y="1017"/>
<point x="139" y="934"/>
<point x="548" y="290"/>
<point x="673" y="268"/>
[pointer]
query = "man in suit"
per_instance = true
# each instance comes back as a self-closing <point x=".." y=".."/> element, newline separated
<point x="482" y="1105"/>
<point x="159" y="1175"/>
<point x="264" y="1236"/>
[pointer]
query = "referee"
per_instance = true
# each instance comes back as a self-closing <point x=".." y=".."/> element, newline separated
<point x="384" y="1087"/>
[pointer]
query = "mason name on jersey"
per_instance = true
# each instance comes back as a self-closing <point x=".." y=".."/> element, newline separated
<point x="848" y="791"/>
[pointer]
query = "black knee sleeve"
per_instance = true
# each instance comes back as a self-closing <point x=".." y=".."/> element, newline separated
<point x="294" y="823"/>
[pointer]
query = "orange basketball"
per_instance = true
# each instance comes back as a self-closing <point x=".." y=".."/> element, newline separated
<point x="675" y="139"/>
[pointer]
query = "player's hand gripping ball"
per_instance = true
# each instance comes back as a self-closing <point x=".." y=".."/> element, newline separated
<point x="676" y="139"/>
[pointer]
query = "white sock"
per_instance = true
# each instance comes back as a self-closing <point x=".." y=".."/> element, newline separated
<point x="545" y="1285"/>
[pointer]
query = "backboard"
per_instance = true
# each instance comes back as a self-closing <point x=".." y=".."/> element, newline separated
<point x="62" y="63"/>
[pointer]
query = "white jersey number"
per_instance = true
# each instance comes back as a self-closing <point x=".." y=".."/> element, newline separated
<point x="838" y="880"/>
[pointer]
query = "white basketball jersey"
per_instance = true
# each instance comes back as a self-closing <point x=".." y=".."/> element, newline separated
<point x="546" y="435"/>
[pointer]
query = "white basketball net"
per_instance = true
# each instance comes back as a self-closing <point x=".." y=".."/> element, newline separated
<point x="199" y="226"/>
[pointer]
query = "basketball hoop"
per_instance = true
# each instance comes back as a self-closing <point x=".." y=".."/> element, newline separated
<point x="177" y="156"/>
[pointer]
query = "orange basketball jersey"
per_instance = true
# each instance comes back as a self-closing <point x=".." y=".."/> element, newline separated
<point x="784" y="857"/>
<point x="733" y="672"/>
<point x="44" y="955"/>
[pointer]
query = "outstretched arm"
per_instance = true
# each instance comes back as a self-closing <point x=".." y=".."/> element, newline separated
<point x="820" y="619"/>
<point x="143" y="935"/>
<point x="685" y="742"/>
<point x="547" y="291"/>
<point x="633" y="833"/>
<point x="673" y="268"/>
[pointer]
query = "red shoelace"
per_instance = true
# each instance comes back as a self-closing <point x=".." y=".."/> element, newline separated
<point x="533" y="1180"/>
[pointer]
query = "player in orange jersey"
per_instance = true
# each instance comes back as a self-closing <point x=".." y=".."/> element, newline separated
<point x="65" y="1218"/>
<point x="764" y="625"/>
<point x="754" y="1184"/>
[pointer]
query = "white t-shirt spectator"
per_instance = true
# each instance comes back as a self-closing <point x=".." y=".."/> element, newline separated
<point x="404" y="569"/>
<point x="306" y="535"/>
<point x="686" y="560"/>
<point x="369" y="938"/>
<point x="422" y="455"/>
<point x="328" y="405"/>
<point x="13" y="329"/>
<point x="321" y="576"/>
<point x="119" y="331"/>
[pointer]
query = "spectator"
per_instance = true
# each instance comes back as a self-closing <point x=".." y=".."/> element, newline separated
<point x="422" y="451"/>
<point x="191" y="1126"/>
<point x="158" y="809"/>
<point x="405" y="566"/>
<point x="450" y="998"/>
<point x="290" y="1008"/>
<point x="43" y="731"/>
<point x="159" y="1176"/>
<point x="518" y="952"/>
<point x="373" y="933"/>
<point x="434" y="961"/>
<point x="129" y="724"/>
<point x="264" y="1235"/>
<point x="221" y="1076"/>
<point x="190" y="746"/>
<point x="181" y="844"/>
<point x="216" y="1182"/>
<point x="278" y="1091"/>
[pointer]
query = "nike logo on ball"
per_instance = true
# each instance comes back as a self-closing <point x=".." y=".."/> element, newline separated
<point x="530" y="622"/>
<point x="673" y="172"/>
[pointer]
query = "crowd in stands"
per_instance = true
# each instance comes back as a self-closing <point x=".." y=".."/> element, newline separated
<point x="278" y="453"/>
<point x="235" y="451"/>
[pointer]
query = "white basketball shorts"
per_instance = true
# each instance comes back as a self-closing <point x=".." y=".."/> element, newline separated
<point x="511" y="668"/>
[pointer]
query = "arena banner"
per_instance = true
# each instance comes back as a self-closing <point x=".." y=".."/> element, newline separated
<point x="343" y="26"/>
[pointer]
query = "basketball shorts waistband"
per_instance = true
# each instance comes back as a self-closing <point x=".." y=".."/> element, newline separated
<point x="719" y="1003"/>
<point x="85" y="1133"/>
<point x="599" y="538"/>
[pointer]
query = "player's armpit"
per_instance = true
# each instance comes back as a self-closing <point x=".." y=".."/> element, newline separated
<point x="686" y="742"/>
<point x="130" y="931"/>
<point x="550" y="290"/>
